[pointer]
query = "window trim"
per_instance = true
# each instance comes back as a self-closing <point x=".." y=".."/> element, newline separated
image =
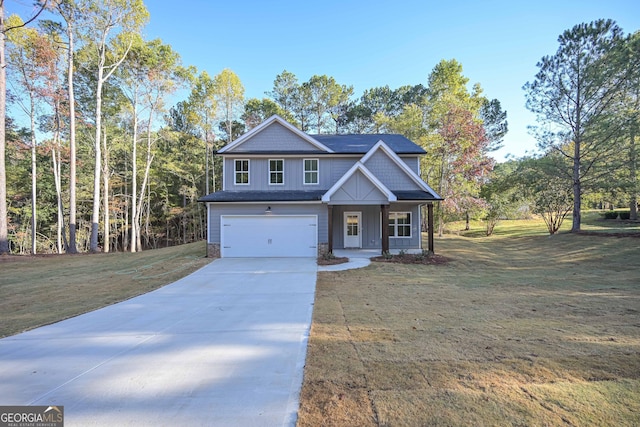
<point x="236" y="171"/>
<point x="281" y="172"/>
<point x="395" y="225"/>
<point x="304" y="171"/>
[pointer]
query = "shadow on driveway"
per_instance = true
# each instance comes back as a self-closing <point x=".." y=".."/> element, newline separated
<point x="225" y="345"/>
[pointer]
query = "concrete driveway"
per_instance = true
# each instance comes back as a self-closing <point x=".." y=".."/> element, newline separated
<point x="224" y="346"/>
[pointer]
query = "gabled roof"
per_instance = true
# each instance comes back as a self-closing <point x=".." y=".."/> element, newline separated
<point x="382" y="146"/>
<point x="359" y="167"/>
<point x="360" y="144"/>
<point x="274" y="119"/>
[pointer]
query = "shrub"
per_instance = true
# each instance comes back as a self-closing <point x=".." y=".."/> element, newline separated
<point x="615" y="214"/>
<point x="328" y="256"/>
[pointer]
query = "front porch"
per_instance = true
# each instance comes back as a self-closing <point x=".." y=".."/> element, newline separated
<point x="375" y="229"/>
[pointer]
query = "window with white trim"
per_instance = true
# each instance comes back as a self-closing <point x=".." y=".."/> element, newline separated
<point x="276" y="172"/>
<point x="400" y="224"/>
<point x="242" y="172"/>
<point x="310" y="171"/>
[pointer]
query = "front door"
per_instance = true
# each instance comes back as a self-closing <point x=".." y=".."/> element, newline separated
<point x="352" y="230"/>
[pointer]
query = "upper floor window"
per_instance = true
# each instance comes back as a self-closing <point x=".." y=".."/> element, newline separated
<point x="276" y="172"/>
<point x="400" y="224"/>
<point x="310" y="171"/>
<point x="242" y="172"/>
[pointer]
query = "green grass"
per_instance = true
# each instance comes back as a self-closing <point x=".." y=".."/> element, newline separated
<point x="38" y="290"/>
<point x="592" y="222"/>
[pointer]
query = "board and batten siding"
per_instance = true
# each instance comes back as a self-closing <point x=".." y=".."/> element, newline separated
<point x="358" y="189"/>
<point x="215" y="210"/>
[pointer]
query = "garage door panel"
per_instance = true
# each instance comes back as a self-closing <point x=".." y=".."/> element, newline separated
<point x="269" y="236"/>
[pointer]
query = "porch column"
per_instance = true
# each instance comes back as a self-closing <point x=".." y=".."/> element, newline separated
<point x="330" y="219"/>
<point x="385" y="228"/>
<point x="430" y="226"/>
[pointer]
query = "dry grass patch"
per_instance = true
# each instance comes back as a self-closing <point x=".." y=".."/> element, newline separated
<point x="38" y="290"/>
<point x="512" y="331"/>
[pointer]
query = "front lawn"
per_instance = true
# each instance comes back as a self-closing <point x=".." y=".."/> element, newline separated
<point x="516" y="329"/>
<point x="38" y="290"/>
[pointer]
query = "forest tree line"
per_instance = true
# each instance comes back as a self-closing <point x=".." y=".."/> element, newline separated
<point x="104" y="162"/>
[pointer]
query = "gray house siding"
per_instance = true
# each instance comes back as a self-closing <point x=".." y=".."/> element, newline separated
<point x="413" y="162"/>
<point x="218" y="209"/>
<point x="337" y="167"/>
<point x="389" y="173"/>
<point x="259" y="175"/>
<point x="275" y="138"/>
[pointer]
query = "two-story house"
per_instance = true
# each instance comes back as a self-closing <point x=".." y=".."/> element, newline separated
<point x="289" y="194"/>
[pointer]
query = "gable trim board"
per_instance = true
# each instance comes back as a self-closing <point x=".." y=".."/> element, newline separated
<point x="359" y="167"/>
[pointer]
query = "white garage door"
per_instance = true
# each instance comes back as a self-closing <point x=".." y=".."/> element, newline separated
<point x="269" y="235"/>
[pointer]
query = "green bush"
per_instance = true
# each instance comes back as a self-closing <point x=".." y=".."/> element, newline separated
<point x="615" y="214"/>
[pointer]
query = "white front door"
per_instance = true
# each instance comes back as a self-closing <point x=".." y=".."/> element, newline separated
<point x="352" y="230"/>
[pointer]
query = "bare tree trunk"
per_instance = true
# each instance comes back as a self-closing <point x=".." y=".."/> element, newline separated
<point x="184" y="218"/>
<point x="135" y="220"/>
<point x="577" y="199"/>
<point x="34" y="180"/>
<point x="145" y="179"/>
<point x="4" y="237"/>
<point x="125" y="238"/>
<point x="147" y="218"/>
<point x="57" y="176"/>
<point x="105" y="194"/>
<point x="72" y="248"/>
<point x="206" y="165"/>
<point x="56" y="162"/>
<point x="95" y="216"/>
<point x="633" y="175"/>
<point x="577" y="190"/>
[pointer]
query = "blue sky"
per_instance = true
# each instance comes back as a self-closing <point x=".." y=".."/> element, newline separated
<point x="372" y="43"/>
<point x="375" y="43"/>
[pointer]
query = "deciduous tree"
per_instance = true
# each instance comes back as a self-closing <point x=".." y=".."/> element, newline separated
<point x="544" y="181"/>
<point x="106" y="17"/>
<point x="32" y="61"/>
<point x="229" y="93"/>
<point x="4" y="239"/>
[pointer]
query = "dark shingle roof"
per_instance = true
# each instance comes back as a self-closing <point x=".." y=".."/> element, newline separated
<point x="263" y="196"/>
<point x="296" y="196"/>
<point x="415" y="195"/>
<point x="361" y="143"/>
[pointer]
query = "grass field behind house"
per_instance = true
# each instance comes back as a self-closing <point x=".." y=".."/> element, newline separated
<point x="38" y="290"/>
<point x="519" y="329"/>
